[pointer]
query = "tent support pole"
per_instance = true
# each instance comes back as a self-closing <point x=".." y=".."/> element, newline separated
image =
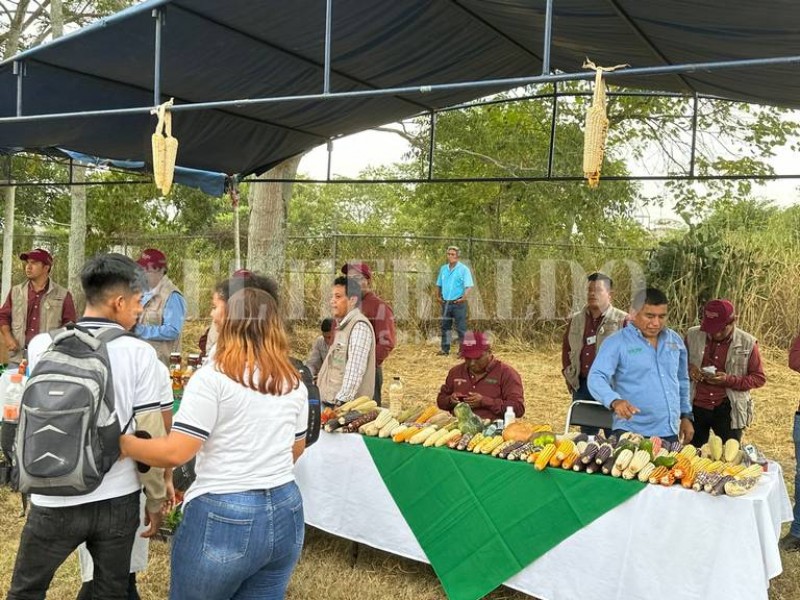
<point x="695" y="107"/>
<point x="326" y="83"/>
<point x="158" y="15"/>
<point x="329" y="146"/>
<point x="553" y="118"/>
<point x="431" y="145"/>
<point x="19" y="72"/>
<point x="548" y="34"/>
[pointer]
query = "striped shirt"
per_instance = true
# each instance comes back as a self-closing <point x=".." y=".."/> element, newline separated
<point x="357" y="359"/>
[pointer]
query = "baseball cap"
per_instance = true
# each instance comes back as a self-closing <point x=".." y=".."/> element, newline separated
<point x="40" y="254"/>
<point x="474" y="345"/>
<point x="361" y="267"/>
<point x="152" y="259"/>
<point x="716" y="315"/>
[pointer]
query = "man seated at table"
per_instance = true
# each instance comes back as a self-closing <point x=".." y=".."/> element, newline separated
<point x="488" y="385"/>
<point x="641" y="373"/>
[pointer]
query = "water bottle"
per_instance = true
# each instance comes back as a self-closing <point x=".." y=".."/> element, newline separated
<point x="509" y="417"/>
<point x="11" y="404"/>
<point x="396" y="396"/>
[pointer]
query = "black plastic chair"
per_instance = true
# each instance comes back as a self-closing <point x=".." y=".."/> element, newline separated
<point x="588" y="413"/>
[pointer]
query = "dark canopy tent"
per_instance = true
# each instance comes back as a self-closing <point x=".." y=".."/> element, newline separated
<point x="215" y="51"/>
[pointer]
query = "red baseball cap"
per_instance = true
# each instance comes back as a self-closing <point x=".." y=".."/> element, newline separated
<point x="152" y="259"/>
<point x="40" y="254"/>
<point x="474" y="345"/>
<point x="716" y="315"/>
<point x="361" y="267"/>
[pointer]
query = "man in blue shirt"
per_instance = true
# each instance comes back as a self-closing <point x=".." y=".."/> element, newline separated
<point x="641" y="373"/>
<point x="454" y="283"/>
<point x="161" y="321"/>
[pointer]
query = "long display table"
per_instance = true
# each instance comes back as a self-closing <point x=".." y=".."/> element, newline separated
<point x="661" y="543"/>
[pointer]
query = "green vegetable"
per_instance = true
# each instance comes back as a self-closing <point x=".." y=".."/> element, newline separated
<point x="468" y="421"/>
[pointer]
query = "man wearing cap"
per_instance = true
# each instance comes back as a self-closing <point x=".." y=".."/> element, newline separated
<point x="454" y="283"/>
<point x="33" y="307"/>
<point x="724" y="365"/>
<point x="380" y="316"/>
<point x="161" y="322"/>
<point x="488" y="385"/>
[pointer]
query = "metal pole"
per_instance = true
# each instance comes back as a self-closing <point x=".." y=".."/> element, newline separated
<point x="19" y="70"/>
<point x="694" y="136"/>
<point x="431" y="145"/>
<point x="158" y="15"/>
<point x="330" y="159"/>
<point x="326" y="83"/>
<point x="548" y="34"/>
<point x="553" y="117"/>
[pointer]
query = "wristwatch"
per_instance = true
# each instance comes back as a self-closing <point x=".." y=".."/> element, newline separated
<point x="688" y="415"/>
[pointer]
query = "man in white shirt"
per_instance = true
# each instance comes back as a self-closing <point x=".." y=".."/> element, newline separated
<point x="106" y="518"/>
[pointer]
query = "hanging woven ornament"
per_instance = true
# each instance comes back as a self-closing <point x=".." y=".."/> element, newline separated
<point x="594" y="140"/>
<point x="165" y="148"/>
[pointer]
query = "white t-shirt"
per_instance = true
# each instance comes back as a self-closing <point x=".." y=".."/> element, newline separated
<point x="138" y="388"/>
<point x="248" y="436"/>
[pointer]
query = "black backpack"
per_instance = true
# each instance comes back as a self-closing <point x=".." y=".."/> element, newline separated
<point x="68" y="435"/>
<point x="314" y="411"/>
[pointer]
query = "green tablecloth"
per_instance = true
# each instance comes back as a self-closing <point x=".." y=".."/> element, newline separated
<point x="458" y="506"/>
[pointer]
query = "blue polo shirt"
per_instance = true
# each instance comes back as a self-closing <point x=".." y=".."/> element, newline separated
<point x="654" y="380"/>
<point x="454" y="282"/>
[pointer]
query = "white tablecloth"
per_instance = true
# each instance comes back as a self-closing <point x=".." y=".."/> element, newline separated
<point x="662" y="543"/>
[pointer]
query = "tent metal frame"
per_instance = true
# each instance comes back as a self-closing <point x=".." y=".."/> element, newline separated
<point x="546" y="77"/>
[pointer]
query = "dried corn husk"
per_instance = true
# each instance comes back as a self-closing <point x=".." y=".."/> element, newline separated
<point x="594" y="142"/>
<point x="165" y="149"/>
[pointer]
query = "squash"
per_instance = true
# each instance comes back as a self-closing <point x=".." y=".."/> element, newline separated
<point x="519" y="431"/>
<point x="468" y="421"/>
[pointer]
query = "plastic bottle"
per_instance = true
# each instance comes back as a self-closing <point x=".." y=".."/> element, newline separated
<point x="175" y="371"/>
<point x="509" y="417"/>
<point x="192" y="364"/>
<point x="13" y="399"/>
<point x="396" y="396"/>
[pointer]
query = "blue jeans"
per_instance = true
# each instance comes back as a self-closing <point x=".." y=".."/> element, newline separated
<point x="242" y="546"/>
<point x="453" y="314"/>
<point x="795" y="528"/>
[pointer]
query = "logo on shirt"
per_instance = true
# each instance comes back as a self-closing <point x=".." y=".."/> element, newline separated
<point x="488" y="380"/>
<point x="635" y="350"/>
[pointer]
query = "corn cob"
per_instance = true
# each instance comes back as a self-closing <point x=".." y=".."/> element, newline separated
<point x="534" y="456"/>
<point x="637" y="463"/>
<point x="432" y="439"/>
<point x="409" y="414"/>
<point x="603" y="453"/>
<point x="622" y="462"/>
<point x="657" y="444"/>
<point x="485" y="442"/>
<point x="657" y="474"/>
<point x="681" y="466"/>
<point x="427" y="414"/>
<point x="711" y="481"/>
<point x="688" y="477"/>
<point x="502" y="447"/>
<point x="422" y="435"/>
<point x="510" y="448"/>
<point x="356" y="424"/>
<point x="564" y="449"/>
<point x="476" y="439"/>
<point x="465" y="439"/>
<point x="700" y="480"/>
<point x="544" y="457"/>
<point x="719" y="487"/>
<point x="733" y="469"/>
<point x="384" y="416"/>
<point x="578" y="466"/>
<point x="555" y="462"/>
<point x="445" y="439"/>
<point x="730" y="451"/>
<point x="592" y="468"/>
<point x="715" y="445"/>
<point x="581" y="446"/>
<point x="607" y="466"/>
<point x="667" y="479"/>
<point x="754" y="470"/>
<point x="688" y="451"/>
<point x="739" y="487"/>
<point x="496" y="441"/>
<point x="715" y="467"/>
<point x="700" y="463"/>
<point x="455" y="440"/>
<point x="570" y="459"/>
<point x="516" y="453"/>
<point x="406" y="434"/>
<point x="644" y="474"/>
<point x="589" y="452"/>
<point x="392" y="428"/>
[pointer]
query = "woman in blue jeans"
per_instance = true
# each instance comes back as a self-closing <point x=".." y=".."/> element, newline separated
<point x="244" y="414"/>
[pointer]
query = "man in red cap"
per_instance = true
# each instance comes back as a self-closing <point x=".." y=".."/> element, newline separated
<point x="724" y="365"/>
<point x="161" y="322"/>
<point x="488" y="385"/>
<point x="36" y="306"/>
<point x="380" y="316"/>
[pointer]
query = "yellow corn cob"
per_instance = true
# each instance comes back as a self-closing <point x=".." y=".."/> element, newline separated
<point x="427" y="414"/>
<point x="715" y="445"/>
<point x="647" y="470"/>
<point x="484" y="442"/>
<point x="699" y="463"/>
<point x="392" y="429"/>
<point x="165" y="149"/>
<point x="754" y="470"/>
<point x="432" y="439"/>
<point x="444" y="440"/>
<point x="496" y="442"/>
<point x="474" y="441"/>
<point x="544" y="457"/>
<point x="505" y="444"/>
<point x="421" y="435"/>
<point x="733" y="469"/>
<point x="730" y="451"/>
<point x="570" y="459"/>
<point x="406" y="434"/>
<point x="688" y="477"/>
<point x="715" y="467"/>
<point x="564" y="449"/>
<point x="688" y="451"/>
<point x="555" y="462"/>
<point x="657" y="474"/>
<point x="594" y="141"/>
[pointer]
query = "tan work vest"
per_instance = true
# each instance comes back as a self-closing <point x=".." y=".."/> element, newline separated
<point x="735" y="364"/>
<point x="153" y="314"/>
<point x="331" y="373"/>
<point x="613" y="320"/>
<point x="51" y="309"/>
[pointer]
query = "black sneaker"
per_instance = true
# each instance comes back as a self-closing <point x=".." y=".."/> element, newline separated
<point x="789" y="543"/>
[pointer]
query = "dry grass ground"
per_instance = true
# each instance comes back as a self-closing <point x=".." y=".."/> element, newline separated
<point x="325" y="568"/>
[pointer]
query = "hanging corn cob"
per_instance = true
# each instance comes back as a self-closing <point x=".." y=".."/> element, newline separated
<point x="165" y="148"/>
<point x="594" y="141"/>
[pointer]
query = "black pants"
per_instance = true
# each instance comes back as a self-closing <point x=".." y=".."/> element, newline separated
<point x="50" y="535"/>
<point x="718" y="419"/>
<point x="87" y="590"/>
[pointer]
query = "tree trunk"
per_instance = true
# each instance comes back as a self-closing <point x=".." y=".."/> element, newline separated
<point x="266" y="234"/>
<point x="56" y="18"/>
<point x="77" y="236"/>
